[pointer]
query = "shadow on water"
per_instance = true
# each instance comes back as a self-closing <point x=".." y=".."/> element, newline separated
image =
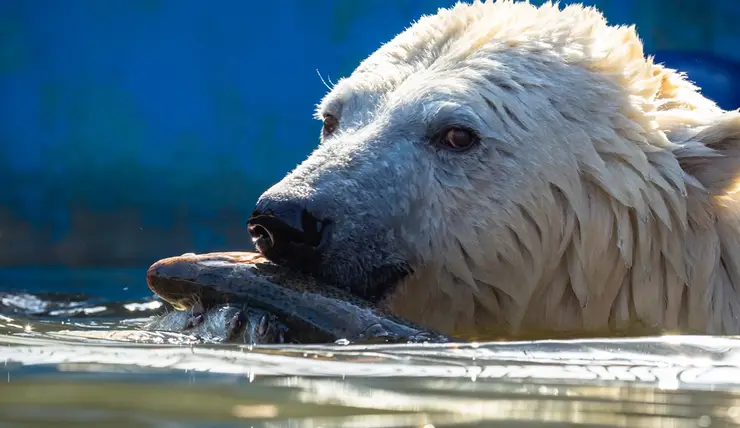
<point x="80" y="360"/>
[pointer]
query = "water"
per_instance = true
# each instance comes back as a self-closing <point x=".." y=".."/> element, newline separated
<point x="78" y="359"/>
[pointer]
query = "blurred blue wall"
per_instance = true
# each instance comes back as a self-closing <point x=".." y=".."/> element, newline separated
<point x="139" y="129"/>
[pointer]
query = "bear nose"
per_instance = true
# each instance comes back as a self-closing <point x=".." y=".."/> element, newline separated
<point x="286" y="232"/>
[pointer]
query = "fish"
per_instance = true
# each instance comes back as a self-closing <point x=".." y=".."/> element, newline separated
<point x="311" y="311"/>
<point x="224" y="324"/>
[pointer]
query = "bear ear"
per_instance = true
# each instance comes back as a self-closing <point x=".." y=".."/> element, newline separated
<point x="712" y="155"/>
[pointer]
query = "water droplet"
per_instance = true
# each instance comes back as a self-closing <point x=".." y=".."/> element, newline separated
<point x="704" y="421"/>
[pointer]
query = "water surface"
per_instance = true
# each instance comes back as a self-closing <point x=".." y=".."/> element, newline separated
<point x="79" y="359"/>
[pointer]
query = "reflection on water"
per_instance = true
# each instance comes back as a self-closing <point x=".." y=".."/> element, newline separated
<point x="78" y="361"/>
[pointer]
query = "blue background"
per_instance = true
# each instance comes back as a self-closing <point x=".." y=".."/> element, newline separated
<point x="139" y="129"/>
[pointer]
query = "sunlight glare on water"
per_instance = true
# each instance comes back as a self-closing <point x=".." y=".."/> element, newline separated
<point x="78" y="368"/>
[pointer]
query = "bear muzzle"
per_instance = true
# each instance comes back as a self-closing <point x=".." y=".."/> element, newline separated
<point x="286" y="232"/>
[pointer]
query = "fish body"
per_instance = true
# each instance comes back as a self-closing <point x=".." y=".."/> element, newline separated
<point x="313" y="312"/>
<point x="224" y="323"/>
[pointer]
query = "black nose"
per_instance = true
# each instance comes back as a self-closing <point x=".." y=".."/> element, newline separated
<point x="286" y="232"/>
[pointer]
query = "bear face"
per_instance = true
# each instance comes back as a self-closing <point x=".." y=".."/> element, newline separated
<point x="504" y="164"/>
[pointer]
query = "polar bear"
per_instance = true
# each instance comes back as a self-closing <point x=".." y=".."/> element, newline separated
<point x="500" y="165"/>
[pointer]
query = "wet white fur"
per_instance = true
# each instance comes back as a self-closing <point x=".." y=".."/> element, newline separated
<point x="602" y="194"/>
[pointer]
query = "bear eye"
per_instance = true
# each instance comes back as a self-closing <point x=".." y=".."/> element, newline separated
<point x="458" y="139"/>
<point x="331" y="124"/>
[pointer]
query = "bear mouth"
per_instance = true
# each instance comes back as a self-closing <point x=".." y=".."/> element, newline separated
<point x="373" y="285"/>
<point x="369" y="281"/>
<point x="380" y="283"/>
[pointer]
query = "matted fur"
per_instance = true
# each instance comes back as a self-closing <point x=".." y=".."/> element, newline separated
<point x="602" y="195"/>
<point x="641" y="228"/>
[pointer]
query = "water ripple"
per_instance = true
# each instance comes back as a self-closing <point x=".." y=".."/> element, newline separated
<point x="645" y="382"/>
